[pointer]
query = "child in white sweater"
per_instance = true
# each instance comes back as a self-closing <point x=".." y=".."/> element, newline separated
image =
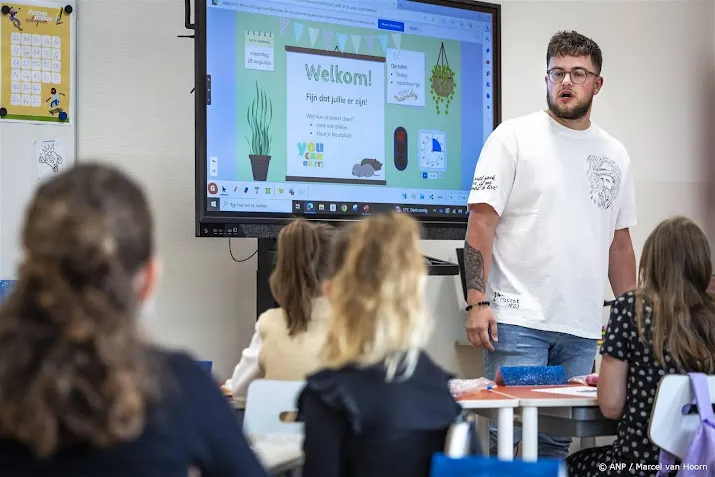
<point x="287" y="340"/>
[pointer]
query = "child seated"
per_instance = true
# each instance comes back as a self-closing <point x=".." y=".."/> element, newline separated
<point x="381" y="407"/>
<point x="287" y="340"/>
<point x="667" y="326"/>
<point x="81" y="391"/>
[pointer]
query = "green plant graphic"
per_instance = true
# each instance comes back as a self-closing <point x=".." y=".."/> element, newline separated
<point x="260" y="115"/>
<point x="443" y="84"/>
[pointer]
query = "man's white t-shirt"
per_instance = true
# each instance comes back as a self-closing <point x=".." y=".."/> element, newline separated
<point x="561" y="194"/>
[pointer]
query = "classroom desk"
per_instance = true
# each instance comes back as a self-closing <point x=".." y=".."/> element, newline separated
<point x="585" y="422"/>
<point x="504" y="406"/>
<point x="567" y="415"/>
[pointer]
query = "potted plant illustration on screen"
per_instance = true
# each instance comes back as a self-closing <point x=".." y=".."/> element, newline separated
<point x="260" y="115"/>
<point x="443" y="83"/>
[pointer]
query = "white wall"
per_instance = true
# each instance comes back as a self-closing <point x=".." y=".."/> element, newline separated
<point x="135" y="110"/>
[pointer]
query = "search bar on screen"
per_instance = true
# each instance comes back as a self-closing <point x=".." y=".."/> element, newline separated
<point x="233" y="205"/>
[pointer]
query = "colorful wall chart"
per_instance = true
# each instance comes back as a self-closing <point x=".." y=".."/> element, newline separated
<point x="35" y="60"/>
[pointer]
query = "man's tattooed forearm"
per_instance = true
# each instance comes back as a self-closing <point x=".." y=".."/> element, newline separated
<point x="474" y="268"/>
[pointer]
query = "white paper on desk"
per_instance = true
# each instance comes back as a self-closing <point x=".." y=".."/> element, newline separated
<point x="581" y="391"/>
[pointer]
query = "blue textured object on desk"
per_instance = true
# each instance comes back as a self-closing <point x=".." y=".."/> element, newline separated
<point x="533" y="375"/>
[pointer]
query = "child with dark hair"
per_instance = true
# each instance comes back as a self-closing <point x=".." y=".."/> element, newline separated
<point x="80" y="392"/>
<point x="666" y="326"/>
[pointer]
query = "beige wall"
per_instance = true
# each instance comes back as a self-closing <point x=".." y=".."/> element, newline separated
<point x="135" y="110"/>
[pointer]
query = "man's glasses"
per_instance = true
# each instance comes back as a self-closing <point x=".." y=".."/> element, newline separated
<point x="578" y="75"/>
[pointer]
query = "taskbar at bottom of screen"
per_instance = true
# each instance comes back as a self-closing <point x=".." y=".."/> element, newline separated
<point x="337" y="211"/>
<point x="356" y="209"/>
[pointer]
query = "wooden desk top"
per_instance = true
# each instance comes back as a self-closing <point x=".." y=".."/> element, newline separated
<point x="487" y="399"/>
<point x="527" y="396"/>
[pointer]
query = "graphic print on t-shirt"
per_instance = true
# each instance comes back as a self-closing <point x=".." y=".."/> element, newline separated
<point x="485" y="182"/>
<point x="605" y="178"/>
<point x="508" y="301"/>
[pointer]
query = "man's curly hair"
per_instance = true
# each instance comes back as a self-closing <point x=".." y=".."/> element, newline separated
<point x="572" y="43"/>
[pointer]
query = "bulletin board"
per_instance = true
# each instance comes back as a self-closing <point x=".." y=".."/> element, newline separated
<point x="38" y="104"/>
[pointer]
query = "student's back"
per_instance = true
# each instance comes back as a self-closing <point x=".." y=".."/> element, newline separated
<point x="288" y="339"/>
<point x="286" y="356"/>
<point x="191" y="426"/>
<point x="380" y="407"/>
<point x="81" y="394"/>
<point x="667" y="326"/>
<point x="363" y="425"/>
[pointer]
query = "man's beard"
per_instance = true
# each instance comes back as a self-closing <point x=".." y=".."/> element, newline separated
<point x="571" y="114"/>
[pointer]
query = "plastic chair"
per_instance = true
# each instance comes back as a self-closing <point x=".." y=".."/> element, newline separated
<point x="463" y="437"/>
<point x="267" y="402"/>
<point x="207" y="365"/>
<point x="673" y="422"/>
<point x="478" y="466"/>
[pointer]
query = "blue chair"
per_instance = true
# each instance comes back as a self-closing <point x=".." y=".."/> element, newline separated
<point x="6" y="287"/>
<point x="207" y="365"/>
<point x="478" y="466"/>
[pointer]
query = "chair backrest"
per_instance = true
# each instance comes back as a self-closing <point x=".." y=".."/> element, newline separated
<point x="6" y="287"/>
<point x="207" y="365"/>
<point x="463" y="437"/>
<point x="673" y="422"/>
<point x="267" y="401"/>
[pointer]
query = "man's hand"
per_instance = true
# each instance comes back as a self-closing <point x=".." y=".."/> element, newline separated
<point x="481" y="326"/>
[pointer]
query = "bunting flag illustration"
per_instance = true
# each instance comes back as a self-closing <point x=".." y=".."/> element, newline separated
<point x="356" y="39"/>
<point x="313" y="33"/>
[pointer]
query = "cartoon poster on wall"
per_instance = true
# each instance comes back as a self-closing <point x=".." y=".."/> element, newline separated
<point x="51" y="158"/>
<point x="35" y="59"/>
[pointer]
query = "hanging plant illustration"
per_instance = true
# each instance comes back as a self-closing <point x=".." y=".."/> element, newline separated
<point x="443" y="84"/>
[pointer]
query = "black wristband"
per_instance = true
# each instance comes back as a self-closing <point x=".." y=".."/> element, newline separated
<point x="481" y="303"/>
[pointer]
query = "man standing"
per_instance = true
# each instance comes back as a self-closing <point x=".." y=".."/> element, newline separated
<point x="550" y="209"/>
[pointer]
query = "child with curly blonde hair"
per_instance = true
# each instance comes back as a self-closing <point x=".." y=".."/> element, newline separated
<point x="381" y="406"/>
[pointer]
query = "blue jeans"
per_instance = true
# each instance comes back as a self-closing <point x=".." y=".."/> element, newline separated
<point x="520" y="346"/>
